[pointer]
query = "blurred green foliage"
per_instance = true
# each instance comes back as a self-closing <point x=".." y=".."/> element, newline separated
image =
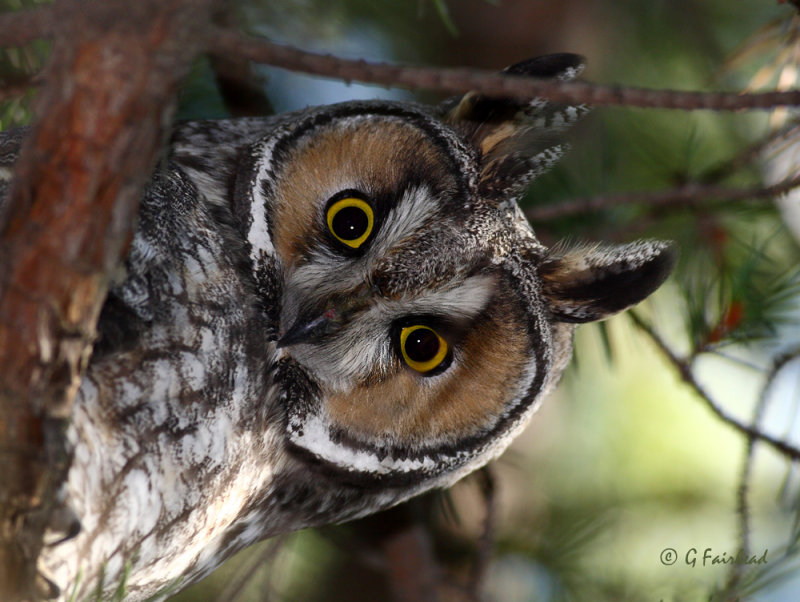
<point x="17" y="65"/>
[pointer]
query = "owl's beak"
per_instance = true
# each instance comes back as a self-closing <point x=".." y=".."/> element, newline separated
<point x="310" y="327"/>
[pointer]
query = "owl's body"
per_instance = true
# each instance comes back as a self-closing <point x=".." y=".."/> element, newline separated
<point x="322" y="314"/>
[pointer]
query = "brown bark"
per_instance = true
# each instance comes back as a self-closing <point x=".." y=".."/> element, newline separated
<point x="412" y="571"/>
<point x="22" y="27"/>
<point x="102" y="117"/>
<point x="411" y="567"/>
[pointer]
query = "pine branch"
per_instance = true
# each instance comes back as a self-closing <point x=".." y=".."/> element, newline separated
<point x="22" y="27"/>
<point x="742" y="505"/>
<point x="241" y="88"/>
<point x="685" y="370"/>
<point x="230" y="43"/>
<point x="688" y="195"/>
<point x="751" y="153"/>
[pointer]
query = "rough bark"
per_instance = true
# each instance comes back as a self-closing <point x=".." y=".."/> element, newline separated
<point x="103" y="114"/>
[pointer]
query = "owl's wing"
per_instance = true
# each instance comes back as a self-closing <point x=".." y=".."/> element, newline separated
<point x="177" y="391"/>
<point x="145" y="286"/>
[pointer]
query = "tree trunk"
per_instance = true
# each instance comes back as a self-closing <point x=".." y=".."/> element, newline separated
<point x="102" y="116"/>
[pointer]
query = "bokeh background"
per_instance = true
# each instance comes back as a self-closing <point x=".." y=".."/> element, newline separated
<point x="625" y="460"/>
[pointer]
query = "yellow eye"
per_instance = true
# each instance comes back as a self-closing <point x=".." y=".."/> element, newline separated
<point x="422" y="348"/>
<point x="350" y="220"/>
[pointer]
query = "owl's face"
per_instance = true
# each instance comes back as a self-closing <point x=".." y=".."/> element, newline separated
<point x="420" y="319"/>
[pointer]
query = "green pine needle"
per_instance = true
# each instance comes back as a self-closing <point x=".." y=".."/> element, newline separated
<point x="444" y="15"/>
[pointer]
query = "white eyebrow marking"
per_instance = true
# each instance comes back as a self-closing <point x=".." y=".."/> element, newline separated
<point x="411" y="213"/>
<point x="465" y="300"/>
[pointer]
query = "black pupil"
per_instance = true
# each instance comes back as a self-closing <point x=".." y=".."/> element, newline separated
<point x="422" y="345"/>
<point x="350" y="223"/>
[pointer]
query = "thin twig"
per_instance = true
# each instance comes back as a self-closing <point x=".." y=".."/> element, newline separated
<point x="747" y="155"/>
<point x="742" y="506"/>
<point x="19" y="86"/>
<point x="688" y="195"/>
<point x="13" y="91"/>
<point x="486" y="542"/>
<point x="684" y="368"/>
<point x="242" y="89"/>
<point x="231" y="43"/>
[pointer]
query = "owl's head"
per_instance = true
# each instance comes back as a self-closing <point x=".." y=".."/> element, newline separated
<point x="420" y="320"/>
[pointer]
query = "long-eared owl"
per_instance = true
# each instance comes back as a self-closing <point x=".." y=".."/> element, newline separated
<point x="322" y="314"/>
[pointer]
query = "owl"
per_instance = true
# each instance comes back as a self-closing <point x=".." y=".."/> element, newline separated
<point x="321" y="315"/>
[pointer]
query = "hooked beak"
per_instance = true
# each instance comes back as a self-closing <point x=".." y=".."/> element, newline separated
<point x="310" y="327"/>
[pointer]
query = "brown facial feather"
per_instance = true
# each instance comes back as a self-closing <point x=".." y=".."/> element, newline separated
<point x="374" y="157"/>
<point x="408" y="409"/>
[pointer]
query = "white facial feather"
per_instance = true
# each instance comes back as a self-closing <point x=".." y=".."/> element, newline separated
<point x="258" y="234"/>
<point x="412" y="213"/>
<point x="463" y="301"/>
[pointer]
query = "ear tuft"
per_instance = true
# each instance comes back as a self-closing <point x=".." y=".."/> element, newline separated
<point x="588" y="284"/>
<point x="564" y="66"/>
<point x="517" y="139"/>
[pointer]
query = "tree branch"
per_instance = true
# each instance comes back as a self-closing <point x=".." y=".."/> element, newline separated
<point x="241" y="88"/>
<point x="103" y="116"/>
<point x="22" y="27"/>
<point x="684" y="368"/>
<point x="19" y="86"/>
<point x="689" y="195"/>
<point x="231" y="43"/>
<point x="750" y="153"/>
<point x="742" y="507"/>
<point x="400" y="538"/>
